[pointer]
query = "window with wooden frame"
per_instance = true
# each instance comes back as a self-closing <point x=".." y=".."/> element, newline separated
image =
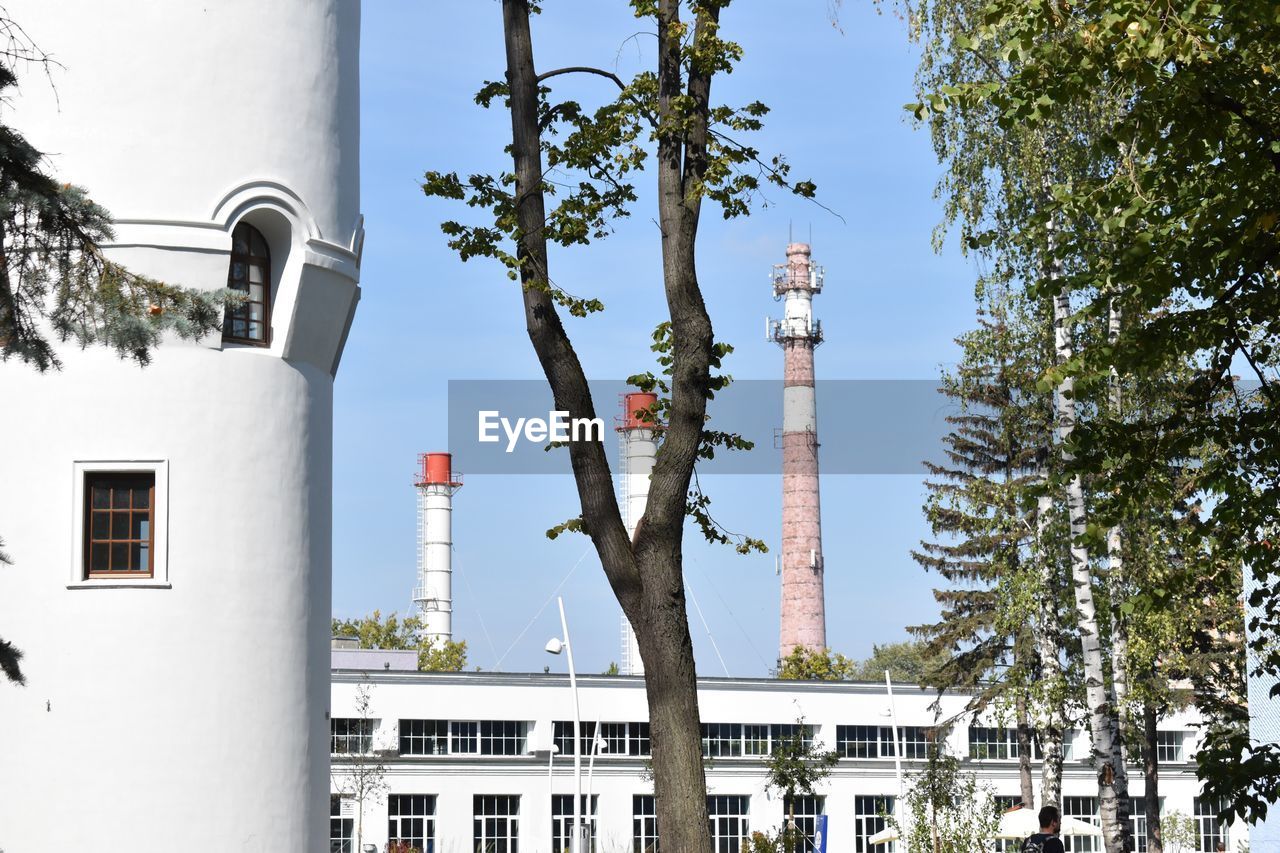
<point x="119" y="524"/>
<point x="250" y="274"/>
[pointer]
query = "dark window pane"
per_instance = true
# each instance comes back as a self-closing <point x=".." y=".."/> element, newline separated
<point x="120" y="524"/>
<point x="101" y="525"/>
<point x="119" y="557"/>
<point x="141" y="497"/>
<point x="98" y="558"/>
<point x="141" y="527"/>
<point x="248" y="272"/>
<point x="136" y="563"/>
<point x="101" y="497"/>
<point x="119" y="497"/>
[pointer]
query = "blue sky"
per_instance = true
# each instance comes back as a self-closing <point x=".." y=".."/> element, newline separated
<point x="890" y="310"/>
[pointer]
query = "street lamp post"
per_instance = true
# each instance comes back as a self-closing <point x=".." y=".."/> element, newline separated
<point x="597" y="746"/>
<point x="900" y="806"/>
<point x="555" y="645"/>
<point x="551" y="751"/>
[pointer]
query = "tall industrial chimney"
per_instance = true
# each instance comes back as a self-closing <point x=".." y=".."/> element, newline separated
<point x="433" y="595"/>
<point x="803" y="620"/>
<point x="639" y="447"/>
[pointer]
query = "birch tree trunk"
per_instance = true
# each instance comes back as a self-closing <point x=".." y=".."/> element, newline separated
<point x="1024" y="751"/>
<point x="1046" y="628"/>
<point x="1119" y="625"/>
<point x="1097" y="699"/>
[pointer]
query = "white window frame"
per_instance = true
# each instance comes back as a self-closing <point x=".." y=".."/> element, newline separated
<point x="160" y="522"/>
<point x="731" y="829"/>
<point x="644" y="817"/>
<point x="1170" y="741"/>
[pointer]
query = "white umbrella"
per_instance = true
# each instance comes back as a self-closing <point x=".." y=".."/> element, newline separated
<point x="884" y="836"/>
<point x="1019" y="823"/>
<point x="1015" y="823"/>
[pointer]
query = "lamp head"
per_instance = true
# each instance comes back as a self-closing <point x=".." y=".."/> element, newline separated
<point x="554" y="646"/>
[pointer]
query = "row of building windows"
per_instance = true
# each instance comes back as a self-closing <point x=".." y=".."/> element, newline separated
<point x="496" y="822"/>
<point x="630" y="739"/>
<point x="986" y="743"/>
<point x="719" y="740"/>
<point x="411" y="820"/>
<point x="734" y="740"/>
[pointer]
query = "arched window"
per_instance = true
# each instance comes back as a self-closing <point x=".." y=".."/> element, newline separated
<point x="250" y="274"/>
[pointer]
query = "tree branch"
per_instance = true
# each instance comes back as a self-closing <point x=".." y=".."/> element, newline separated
<point x="581" y="69"/>
<point x="600" y="514"/>
<point x="1240" y="111"/>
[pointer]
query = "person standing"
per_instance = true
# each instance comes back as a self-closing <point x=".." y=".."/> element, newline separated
<point x="1046" y="840"/>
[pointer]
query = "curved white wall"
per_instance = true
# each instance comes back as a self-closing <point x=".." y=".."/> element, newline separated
<point x="192" y="713"/>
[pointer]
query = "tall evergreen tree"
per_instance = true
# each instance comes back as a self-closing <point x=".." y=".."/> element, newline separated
<point x="981" y="509"/>
<point x="1170" y="193"/>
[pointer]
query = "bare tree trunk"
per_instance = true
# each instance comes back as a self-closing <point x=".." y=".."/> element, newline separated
<point x="1024" y="750"/>
<point x="1097" y="699"/>
<point x="1151" y="776"/>
<point x="1119" y="625"/>
<point x="645" y="574"/>
<point x="1046" y="629"/>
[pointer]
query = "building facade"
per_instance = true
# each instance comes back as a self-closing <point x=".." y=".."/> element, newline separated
<point x="479" y="761"/>
<point x="170" y="526"/>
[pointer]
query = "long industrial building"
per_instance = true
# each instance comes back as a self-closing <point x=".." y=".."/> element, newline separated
<point x="483" y="761"/>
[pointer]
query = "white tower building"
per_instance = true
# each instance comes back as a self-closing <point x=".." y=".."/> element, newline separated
<point x="433" y="595"/>
<point x="639" y="449"/>
<point x="170" y="526"/>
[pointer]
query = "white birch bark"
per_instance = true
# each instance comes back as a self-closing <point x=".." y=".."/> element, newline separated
<point x="1045" y="629"/>
<point x="1119" y="628"/>
<point x="1097" y="699"/>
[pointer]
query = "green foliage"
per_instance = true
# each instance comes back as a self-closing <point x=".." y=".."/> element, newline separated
<point x="54" y="270"/>
<point x="1179" y="833"/>
<point x="784" y="839"/>
<point x="697" y="501"/>
<point x="797" y="765"/>
<point x="945" y="810"/>
<point x="592" y="158"/>
<point x="374" y="632"/>
<point x="826" y="665"/>
<point x="1129" y="154"/>
<point x="907" y="662"/>
<point x="613" y="669"/>
<point x="10" y="656"/>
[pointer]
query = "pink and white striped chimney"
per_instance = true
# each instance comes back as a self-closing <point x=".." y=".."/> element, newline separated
<point x="803" y="608"/>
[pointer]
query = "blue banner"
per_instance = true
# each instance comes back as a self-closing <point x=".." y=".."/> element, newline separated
<point x="820" y="835"/>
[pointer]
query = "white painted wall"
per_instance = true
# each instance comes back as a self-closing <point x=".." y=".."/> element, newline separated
<point x="193" y="712"/>
<point x="542" y="699"/>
